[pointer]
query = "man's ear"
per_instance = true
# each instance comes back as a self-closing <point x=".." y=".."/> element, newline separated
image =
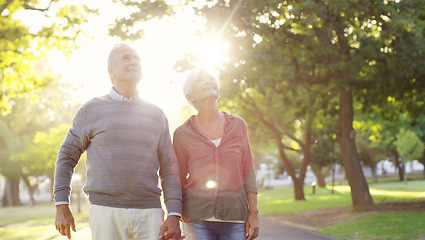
<point x="111" y="74"/>
<point x="110" y="71"/>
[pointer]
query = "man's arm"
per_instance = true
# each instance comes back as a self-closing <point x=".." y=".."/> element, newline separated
<point x="69" y="154"/>
<point x="169" y="171"/>
<point x="170" y="182"/>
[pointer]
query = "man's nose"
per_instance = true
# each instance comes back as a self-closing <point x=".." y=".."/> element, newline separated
<point x="134" y="61"/>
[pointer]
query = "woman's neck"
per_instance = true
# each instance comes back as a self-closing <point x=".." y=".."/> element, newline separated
<point x="208" y="115"/>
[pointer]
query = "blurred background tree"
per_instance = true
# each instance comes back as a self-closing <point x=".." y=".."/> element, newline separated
<point x="29" y="31"/>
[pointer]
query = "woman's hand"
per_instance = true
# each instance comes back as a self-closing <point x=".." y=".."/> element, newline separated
<point x="252" y="226"/>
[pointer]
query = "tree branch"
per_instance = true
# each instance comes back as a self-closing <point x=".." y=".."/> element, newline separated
<point x="28" y="7"/>
<point x="4" y="6"/>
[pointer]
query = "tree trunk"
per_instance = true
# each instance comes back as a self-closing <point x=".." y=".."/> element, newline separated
<point x="400" y="166"/>
<point x="11" y="194"/>
<point x="373" y="169"/>
<point x="366" y="158"/>
<point x="299" y="189"/>
<point x="31" y="189"/>
<point x="52" y="182"/>
<point x="320" y="178"/>
<point x="298" y="183"/>
<point x="360" y="195"/>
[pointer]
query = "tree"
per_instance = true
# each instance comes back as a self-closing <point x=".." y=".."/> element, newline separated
<point x="26" y="118"/>
<point x="418" y="126"/>
<point x="11" y="143"/>
<point x="409" y="146"/>
<point x="29" y="29"/>
<point x="325" y="151"/>
<point x="38" y="159"/>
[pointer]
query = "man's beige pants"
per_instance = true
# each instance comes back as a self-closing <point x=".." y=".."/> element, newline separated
<point x="124" y="223"/>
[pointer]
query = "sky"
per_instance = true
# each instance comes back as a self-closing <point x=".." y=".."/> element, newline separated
<point x="164" y="42"/>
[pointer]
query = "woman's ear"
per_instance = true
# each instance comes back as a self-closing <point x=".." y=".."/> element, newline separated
<point x="188" y="97"/>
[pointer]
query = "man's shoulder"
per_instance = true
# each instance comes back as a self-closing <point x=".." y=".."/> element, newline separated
<point x="97" y="101"/>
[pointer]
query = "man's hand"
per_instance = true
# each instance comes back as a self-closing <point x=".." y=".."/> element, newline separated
<point x="252" y="227"/>
<point x="64" y="220"/>
<point x="170" y="229"/>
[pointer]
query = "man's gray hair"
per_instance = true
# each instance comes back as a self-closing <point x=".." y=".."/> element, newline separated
<point x="113" y="56"/>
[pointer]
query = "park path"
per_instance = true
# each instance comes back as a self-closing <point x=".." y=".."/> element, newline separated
<point x="272" y="230"/>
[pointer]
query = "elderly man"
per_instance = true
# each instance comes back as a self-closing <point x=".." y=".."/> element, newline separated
<point x="127" y="140"/>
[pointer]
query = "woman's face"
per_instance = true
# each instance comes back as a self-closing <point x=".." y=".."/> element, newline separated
<point x="205" y="86"/>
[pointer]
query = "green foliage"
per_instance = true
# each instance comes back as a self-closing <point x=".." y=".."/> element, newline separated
<point x="11" y="143"/>
<point x="325" y="149"/>
<point x="408" y="145"/>
<point x="28" y="30"/>
<point x="32" y="133"/>
<point x="38" y="159"/>
<point x="130" y="27"/>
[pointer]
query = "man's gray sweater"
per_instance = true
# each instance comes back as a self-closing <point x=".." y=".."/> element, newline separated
<point x="127" y="143"/>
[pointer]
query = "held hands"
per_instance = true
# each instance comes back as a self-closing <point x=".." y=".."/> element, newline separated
<point x="170" y="229"/>
<point x="252" y="227"/>
<point x="64" y="220"/>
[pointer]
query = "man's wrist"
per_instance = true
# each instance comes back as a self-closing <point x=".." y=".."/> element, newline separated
<point x="175" y="214"/>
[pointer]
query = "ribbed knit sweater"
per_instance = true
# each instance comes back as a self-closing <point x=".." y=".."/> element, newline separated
<point x="127" y="143"/>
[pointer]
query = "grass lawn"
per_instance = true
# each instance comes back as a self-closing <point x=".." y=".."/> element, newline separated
<point x="38" y="222"/>
<point x="383" y="226"/>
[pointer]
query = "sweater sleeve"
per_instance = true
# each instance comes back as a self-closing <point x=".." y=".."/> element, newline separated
<point x="249" y="168"/>
<point x="70" y="151"/>
<point x="168" y="171"/>
<point x="181" y="156"/>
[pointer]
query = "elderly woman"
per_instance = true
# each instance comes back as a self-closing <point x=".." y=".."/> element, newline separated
<point x="216" y="167"/>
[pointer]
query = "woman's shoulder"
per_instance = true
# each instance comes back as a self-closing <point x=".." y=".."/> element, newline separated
<point x="235" y="119"/>
<point x="184" y="127"/>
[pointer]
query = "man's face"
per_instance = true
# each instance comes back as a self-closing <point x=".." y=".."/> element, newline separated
<point x="127" y="67"/>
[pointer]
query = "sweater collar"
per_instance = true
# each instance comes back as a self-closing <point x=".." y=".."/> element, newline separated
<point x="118" y="97"/>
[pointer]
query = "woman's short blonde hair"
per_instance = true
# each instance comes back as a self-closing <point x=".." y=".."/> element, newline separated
<point x="191" y="79"/>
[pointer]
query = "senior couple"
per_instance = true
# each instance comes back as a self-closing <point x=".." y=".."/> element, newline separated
<point x="206" y="175"/>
